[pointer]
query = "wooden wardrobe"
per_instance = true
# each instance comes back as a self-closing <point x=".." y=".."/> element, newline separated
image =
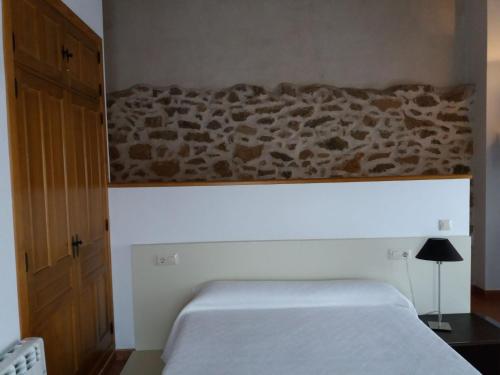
<point x="59" y="169"/>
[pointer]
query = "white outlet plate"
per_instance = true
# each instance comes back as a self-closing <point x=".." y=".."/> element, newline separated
<point x="398" y="254"/>
<point x="445" y="224"/>
<point x="167" y="260"/>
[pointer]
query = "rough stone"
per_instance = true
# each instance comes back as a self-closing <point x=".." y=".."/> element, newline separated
<point x="153" y="122"/>
<point x="381" y="168"/>
<point x="360" y="135"/>
<point x="241" y="116"/>
<point x="167" y="135"/>
<point x="223" y="168"/>
<point x="302" y="111"/>
<point x="245" y="129"/>
<point x="353" y="165"/>
<point x="113" y="153"/>
<point x="385" y="104"/>
<point x="334" y="143"/>
<point x="214" y="125"/>
<point x="306" y="154"/>
<point x="167" y="168"/>
<point x="281" y="156"/>
<point x="412" y="123"/>
<point x="452" y="117"/>
<point x="318" y="121"/>
<point x="293" y="131"/>
<point x="413" y="159"/>
<point x="184" y="150"/>
<point x="189" y="125"/>
<point x="426" y="101"/>
<point x="265" y="121"/>
<point x="198" y="137"/>
<point x="140" y="152"/>
<point x="246" y="153"/>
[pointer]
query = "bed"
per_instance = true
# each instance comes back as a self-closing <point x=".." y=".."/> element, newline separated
<point x="312" y="327"/>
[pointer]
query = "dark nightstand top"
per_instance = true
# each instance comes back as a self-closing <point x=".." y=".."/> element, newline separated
<point x="468" y="329"/>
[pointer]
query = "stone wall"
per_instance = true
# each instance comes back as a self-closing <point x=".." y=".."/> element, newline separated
<point x="246" y="132"/>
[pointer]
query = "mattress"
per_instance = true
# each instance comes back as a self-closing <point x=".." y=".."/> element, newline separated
<point x="327" y="327"/>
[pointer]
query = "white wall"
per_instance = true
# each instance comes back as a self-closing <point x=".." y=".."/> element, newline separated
<point x="273" y="212"/>
<point x="9" y="319"/>
<point x="91" y="13"/>
<point x="216" y="43"/>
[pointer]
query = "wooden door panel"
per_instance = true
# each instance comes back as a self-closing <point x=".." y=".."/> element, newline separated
<point x="51" y="285"/>
<point x="30" y="115"/>
<point x="87" y="218"/>
<point x="57" y="332"/>
<point x="77" y="171"/>
<point x="103" y="318"/>
<point x="83" y="66"/>
<point x="40" y="114"/>
<point x="56" y="179"/>
<point x="88" y="330"/>
<point x="51" y="43"/>
<point x="25" y="20"/>
<point x="73" y="64"/>
<point x="38" y="31"/>
<point x="90" y="66"/>
<point x="95" y="176"/>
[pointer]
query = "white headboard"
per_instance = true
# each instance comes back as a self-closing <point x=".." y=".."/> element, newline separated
<point x="160" y="292"/>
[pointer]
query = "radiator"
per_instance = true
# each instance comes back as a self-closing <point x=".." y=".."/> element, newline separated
<point x="27" y="357"/>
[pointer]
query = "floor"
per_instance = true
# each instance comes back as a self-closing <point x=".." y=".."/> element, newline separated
<point x="117" y="365"/>
<point x="488" y="305"/>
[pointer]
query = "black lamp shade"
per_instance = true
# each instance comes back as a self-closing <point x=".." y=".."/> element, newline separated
<point x="439" y="250"/>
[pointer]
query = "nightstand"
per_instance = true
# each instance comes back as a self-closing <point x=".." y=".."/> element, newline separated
<point x="474" y="337"/>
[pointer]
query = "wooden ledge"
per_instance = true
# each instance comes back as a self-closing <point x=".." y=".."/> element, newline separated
<point x="292" y="181"/>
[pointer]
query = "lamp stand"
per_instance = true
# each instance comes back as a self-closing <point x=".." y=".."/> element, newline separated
<point x="439" y="325"/>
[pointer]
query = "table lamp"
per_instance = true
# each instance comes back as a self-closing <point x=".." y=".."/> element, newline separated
<point x="439" y="250"/>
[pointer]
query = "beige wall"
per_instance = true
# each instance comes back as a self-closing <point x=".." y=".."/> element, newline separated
<point x="160" y="292"/>
<point x="217" y="43"/>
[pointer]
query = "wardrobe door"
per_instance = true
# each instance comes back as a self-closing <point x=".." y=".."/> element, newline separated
<point x="83" y="62"/>
<point x="88" y="224"/>
<point x="38" y="37"/>
<point x="41" y="210"/>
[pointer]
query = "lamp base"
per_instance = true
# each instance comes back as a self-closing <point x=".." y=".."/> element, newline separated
<point x="440" y="326"/>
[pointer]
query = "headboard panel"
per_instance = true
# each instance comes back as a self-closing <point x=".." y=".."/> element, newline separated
<point x="160" y="292"/>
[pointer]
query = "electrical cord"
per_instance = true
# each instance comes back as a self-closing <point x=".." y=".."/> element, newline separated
<point x="410" y="283"/>
<point x="405" y="255"/>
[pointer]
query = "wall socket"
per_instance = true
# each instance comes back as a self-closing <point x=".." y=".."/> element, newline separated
<point x="167" y="260"/>
<point x="398" y="254"/>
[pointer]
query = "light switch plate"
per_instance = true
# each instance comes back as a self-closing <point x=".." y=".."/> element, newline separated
<point x="445" y="224"/>
<point x="167" y="260"/>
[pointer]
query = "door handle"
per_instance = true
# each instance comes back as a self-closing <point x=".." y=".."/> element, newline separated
<point x="75" y="243"/>
<point x="66" y="54"/>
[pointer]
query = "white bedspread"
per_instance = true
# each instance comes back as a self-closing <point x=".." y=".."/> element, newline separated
<point x="354" y="327"/>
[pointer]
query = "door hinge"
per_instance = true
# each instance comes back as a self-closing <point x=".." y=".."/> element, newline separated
<point x="102" y="119"/>
<point x="106" y="225"/>
<point x="112" y="328"/>
<point x="16" y="91"/>
<point x="98" y="57"/>
<point x="100" y="90"/>
<point x="26" y="264"/>
<point x="14" y="42"/>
